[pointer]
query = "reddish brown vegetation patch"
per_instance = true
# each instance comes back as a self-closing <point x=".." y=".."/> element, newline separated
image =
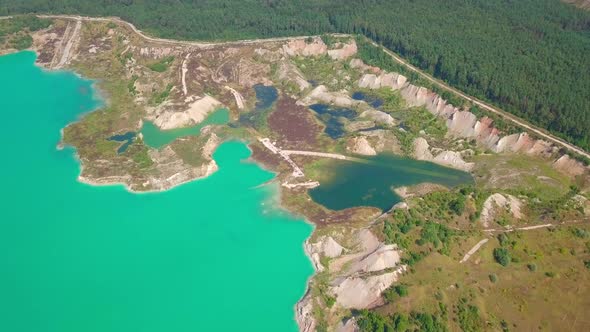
<point x="294" y="125"/>
<point x="262" y="155"/>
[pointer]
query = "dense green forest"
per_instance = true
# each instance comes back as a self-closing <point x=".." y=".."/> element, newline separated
<point x="530" y="57"/>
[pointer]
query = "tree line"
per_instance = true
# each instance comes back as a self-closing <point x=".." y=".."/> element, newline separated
<point x="530" y="57"/>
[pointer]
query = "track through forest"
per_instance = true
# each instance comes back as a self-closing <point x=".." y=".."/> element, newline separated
<point x="505" y="115"/>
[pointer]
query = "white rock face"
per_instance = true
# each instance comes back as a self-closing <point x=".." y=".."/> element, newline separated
<point x="166" y="118"/>
<point x="453" y="159"/>
<point x="368" y="240"/>
<point x="360" y="282"/>
<point x="362" y="293"/>
<point x="446" y="158"/>
<point x="304" y="314"/>
<point x="385" y="80"/>
<point x="301" y="47"/>
<point x="569" y="165"/>
<point x="465" y="124"/>
<point x="360" y="145"/>
<point x="422" y="149"/>
<point x="384" y="257"/>
<point x="321" y="94"/>
<point x="379" y="116"/>
<point x="327" y="246"/>
<point x="494" y="204"/>
<point x="344" y="51"/>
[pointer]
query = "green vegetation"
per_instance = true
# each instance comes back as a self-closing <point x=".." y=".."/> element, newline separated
<point x="162" y="65"/>
<point x="493" y="277"/>
<point x="469" y="318"/>
<point x="395" y="292"/>
<point x="502" y="256"/>
<point x="161" y="96"/>
<point x="15" y="31"/>
<point x="369" y="321"/>
<point x="529" y="57"/>
<point x="21" y="42"/>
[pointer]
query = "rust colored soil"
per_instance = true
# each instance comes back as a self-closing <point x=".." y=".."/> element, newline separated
<point x="294" y="125"/>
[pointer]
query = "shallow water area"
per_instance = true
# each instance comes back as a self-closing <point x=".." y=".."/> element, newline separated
<point x="126" y="139"/>
<point x="371" y="183"/>
<point x="265" y="98"/>
<point x="156" y="138"/>
<point x="332" y="117"/>
<point x="375" y="102"/>
<point x="210" y="255"/>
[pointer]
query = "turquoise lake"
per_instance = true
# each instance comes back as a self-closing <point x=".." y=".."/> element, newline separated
<point x="156" y="138"/>
<point x="211" y="255"/>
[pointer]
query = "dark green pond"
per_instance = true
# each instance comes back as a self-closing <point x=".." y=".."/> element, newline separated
<point x="371" y="183"/>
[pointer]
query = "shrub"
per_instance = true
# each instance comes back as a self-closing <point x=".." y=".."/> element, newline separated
<point x="469" y="318"/>
<point x="458" y="205"/>
<point x="581" y="233"/>
<point x="532" y="267"/>
<point x="493" y="277"/>
<point x="401" y="290"/>
<point x="502" y="256"/>
<point x="21" y="42"/>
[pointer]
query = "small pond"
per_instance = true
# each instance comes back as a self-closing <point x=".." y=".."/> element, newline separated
<point x="371" y="182"/>
<point x="156" y="138"/>
<point x="127" y="138"/>
<point x="375" y="102"/>
<point x="265" y="98"/>
<point x="333" y="118"/>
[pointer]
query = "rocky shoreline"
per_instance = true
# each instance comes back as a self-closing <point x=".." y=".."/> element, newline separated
<point x="352" y="265"/>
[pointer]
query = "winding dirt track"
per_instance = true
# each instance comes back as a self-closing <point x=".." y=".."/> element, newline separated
<point x="507" y="116"/>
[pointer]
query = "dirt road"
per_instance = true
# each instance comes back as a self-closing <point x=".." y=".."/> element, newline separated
<point x="507" y="116"/>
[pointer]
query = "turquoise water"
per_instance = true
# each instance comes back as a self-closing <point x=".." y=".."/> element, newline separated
<point x="371" y="183"/>
<point x="156" y="138"/>
<point x="211" y="255"/>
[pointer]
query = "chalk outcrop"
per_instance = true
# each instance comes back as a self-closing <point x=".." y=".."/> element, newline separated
<point x="316" y="46"/>
<point x="323" y="95"/>
<point x="362" y="293"/>
<point x="304" y="314"/>
<point x="379" y="116"/>
<point x="167" y="117"/>
<point x="464" y="124"/>
<point x="363" y="275"/>
<point x="359" y="64"/>
<point x="385" y="80"/>
<point x="497" y="203"/>
<point x="384" y="257"/>
<point x="301" y="47"/>
<point x="360" y="145"/>
<point x="327" y="246"/>
<point x="569" y="165"/>
<point x="445" y="158"/>
<point x="343" y="51"/>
